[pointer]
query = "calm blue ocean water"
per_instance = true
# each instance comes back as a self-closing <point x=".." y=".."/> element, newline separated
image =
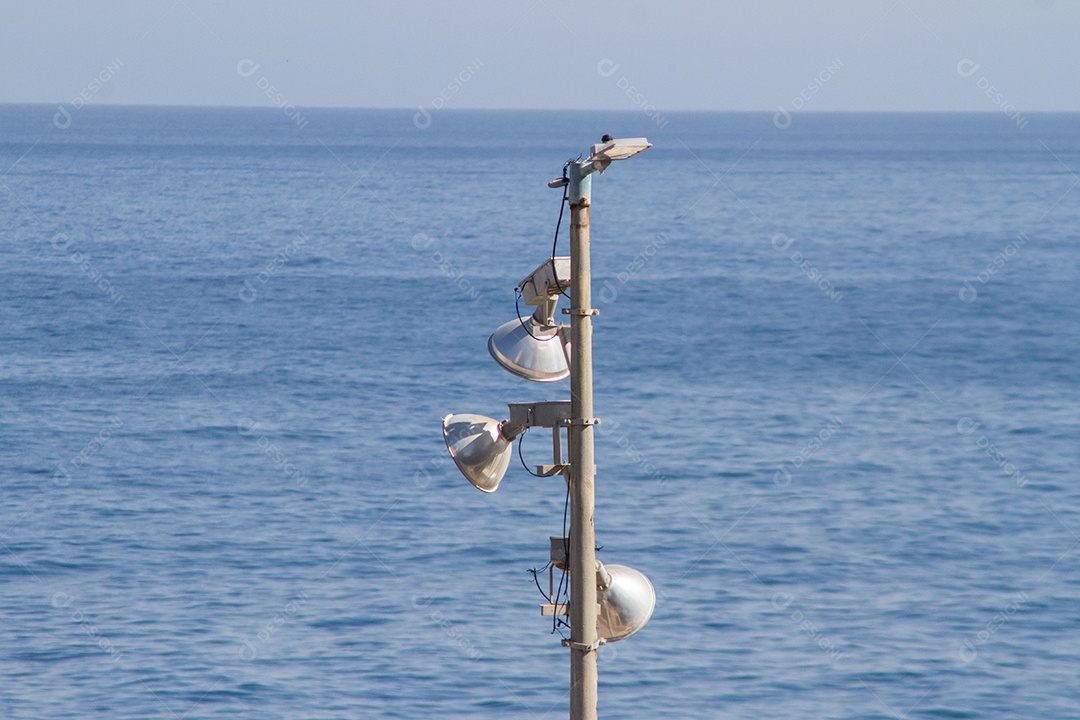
<point x="836" y="365"/>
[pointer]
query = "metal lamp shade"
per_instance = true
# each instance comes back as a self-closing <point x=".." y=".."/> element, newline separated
<point x="479" y="450"/>
<point x="627" y="605"/>
<point x="540" y="358"/>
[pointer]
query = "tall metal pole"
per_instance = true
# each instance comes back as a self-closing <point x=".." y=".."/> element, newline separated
<point x="583" y="607"/>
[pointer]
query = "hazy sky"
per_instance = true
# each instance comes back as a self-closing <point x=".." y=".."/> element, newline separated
<point x="589" y="54"/>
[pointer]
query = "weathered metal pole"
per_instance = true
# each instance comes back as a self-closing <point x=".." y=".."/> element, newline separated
<point x="583" y="607"/>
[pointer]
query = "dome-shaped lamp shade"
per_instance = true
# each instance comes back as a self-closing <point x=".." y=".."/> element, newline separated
<point x="538" y="358"/>
<point x="479" y="450"/>
<point x="626" y="605"/>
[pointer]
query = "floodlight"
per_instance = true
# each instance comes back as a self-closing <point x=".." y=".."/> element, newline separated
<point x="529" y="350"/>
<point x="600" y="156"/>
<point x="534" y="348"/>
<point x="480" y="447"/>
<point x="627" y="600"/>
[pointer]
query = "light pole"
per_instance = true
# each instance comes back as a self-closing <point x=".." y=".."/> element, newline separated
<point x="583" y="635"/>
<point x="617" y="600"/>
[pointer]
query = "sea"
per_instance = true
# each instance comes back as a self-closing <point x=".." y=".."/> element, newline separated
<point x="835" y="365"/>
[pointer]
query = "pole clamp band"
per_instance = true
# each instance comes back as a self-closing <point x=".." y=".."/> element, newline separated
<point x="583" y="647"/>
<point x="581" y="312"/>
<point x="581" y="421"/>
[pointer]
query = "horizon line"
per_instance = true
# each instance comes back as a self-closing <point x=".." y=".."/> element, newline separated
<point x="521" y="109"/>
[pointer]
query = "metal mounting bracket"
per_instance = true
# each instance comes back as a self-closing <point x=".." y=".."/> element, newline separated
<point x="551" y="470"/>
<point x="552" y="609"/>
<point x="581" y="421"/>
<point x="540" y="414"/>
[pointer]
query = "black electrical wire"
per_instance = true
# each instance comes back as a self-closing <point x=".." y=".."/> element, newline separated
<point x="534" y="572"/>
<point x="562" y="580"/>
<point x="517" y="307"/>
<point x="557" y="622"/>
<point x="562" y="591"/>
<point x="522" y="459"/>
<point x="558" y="224"/>
<point x="554" y="270"/>
<point x="565" y="513"/>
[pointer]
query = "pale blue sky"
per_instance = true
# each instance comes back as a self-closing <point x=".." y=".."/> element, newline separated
<point x="841" y="55"/>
